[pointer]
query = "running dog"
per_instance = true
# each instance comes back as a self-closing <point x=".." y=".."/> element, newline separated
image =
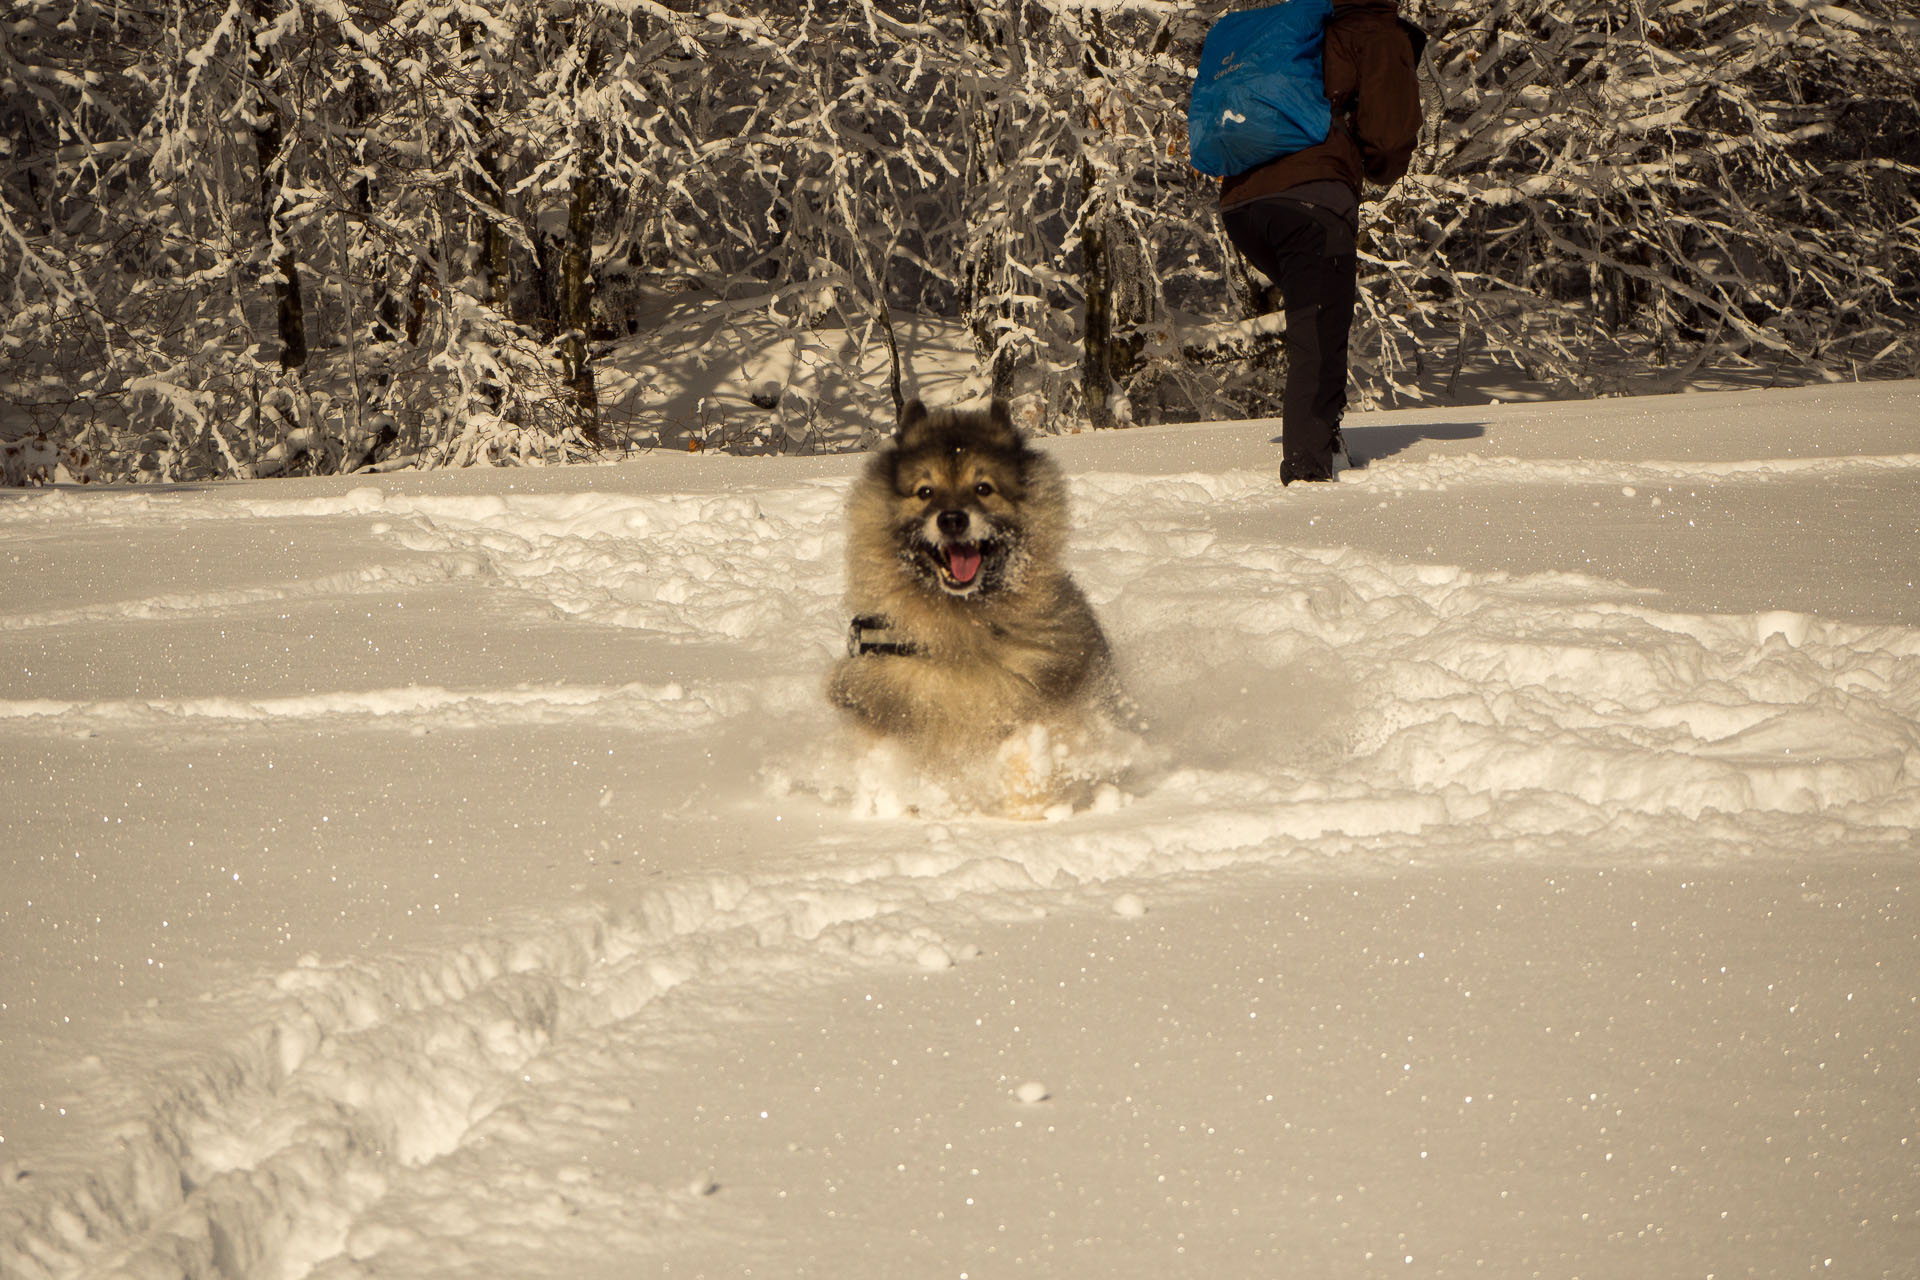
<point x="970" y="640"/>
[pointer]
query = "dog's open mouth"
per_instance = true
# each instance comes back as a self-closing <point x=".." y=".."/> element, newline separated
<point x="958" y="565"/>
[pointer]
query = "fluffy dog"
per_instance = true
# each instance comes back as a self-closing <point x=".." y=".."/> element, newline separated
<point x="971" y="644"/>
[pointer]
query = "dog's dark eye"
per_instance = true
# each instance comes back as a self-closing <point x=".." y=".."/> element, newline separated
<point x="984" y="489"/>
<point x="924" y="492"/>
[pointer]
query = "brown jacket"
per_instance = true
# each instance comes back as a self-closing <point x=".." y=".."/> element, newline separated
<point x="1371" y="81"/>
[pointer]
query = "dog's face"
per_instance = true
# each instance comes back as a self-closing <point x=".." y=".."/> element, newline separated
<point x="958" y="483"/>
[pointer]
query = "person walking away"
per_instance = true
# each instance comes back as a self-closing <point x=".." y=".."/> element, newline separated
<point x="1297" y="218"/>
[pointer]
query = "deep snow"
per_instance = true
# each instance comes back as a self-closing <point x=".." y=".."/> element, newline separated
<point x="460" y="874"/>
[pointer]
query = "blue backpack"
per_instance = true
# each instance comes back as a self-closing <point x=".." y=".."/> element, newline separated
<point x="1259" y="94"/>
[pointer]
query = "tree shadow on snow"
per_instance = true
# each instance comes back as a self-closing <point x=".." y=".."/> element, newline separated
<point x="168" y="488"/>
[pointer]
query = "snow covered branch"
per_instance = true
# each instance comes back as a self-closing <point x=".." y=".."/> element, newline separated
<point x="443" y="218"/>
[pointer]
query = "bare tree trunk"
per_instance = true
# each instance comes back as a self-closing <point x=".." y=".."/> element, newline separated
<point x="496" y="247"/>
<point x="487" y="185"/>
<point x="1096" y="255"/>
<point x="983" y="266"/>
<point x="1096" y="336"/>
<point x="576" y="294"/>
<point x="269" y="136"/>
<point x="977" y="285"/>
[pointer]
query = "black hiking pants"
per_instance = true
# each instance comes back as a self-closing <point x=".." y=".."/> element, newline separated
<point x="1308" y="253"/>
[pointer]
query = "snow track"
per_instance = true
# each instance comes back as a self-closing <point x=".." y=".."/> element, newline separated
<point x="416" y="1109"/>
<point x="662" y="708"/>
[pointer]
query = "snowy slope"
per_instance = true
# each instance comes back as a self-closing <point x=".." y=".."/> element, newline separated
<point x="461" y="875"/>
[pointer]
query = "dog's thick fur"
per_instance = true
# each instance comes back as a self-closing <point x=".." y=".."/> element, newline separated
<point x="955" y="533"/>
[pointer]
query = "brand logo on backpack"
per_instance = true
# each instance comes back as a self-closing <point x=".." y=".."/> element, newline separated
<point x="1259" y="93"/>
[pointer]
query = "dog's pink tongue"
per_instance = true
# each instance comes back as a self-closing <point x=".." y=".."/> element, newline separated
<point x="963" y="563"/>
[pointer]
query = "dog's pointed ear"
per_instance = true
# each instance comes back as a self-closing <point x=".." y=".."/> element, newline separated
<point x="1002" y="419"/>
<point x="913" y="419"/>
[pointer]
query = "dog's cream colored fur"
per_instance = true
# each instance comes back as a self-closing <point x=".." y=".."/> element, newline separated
<point x="987" y="665"/>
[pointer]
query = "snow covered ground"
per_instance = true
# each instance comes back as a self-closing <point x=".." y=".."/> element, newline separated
<point x="460" y="874"/>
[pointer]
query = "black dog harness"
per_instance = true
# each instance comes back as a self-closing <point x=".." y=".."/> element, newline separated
<point x="861" y="641"/>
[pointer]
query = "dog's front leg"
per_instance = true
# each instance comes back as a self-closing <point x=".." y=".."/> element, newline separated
<point x="872" y="690"/>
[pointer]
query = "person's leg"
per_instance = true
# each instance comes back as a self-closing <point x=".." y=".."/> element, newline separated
<point x="1339" y="291"/>
<point x="1304" y="251"/>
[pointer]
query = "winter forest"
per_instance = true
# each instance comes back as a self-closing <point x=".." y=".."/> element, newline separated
<point x="253" y="237"/>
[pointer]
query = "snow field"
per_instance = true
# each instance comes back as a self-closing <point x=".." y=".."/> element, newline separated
<point x="398" y="874"/>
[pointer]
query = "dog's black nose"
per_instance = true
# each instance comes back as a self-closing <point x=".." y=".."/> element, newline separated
<point x="953" y="523"/>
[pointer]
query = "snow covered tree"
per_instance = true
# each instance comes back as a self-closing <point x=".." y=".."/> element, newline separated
<point x="262" y="236"/>
<point x="1608" y="190"/>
